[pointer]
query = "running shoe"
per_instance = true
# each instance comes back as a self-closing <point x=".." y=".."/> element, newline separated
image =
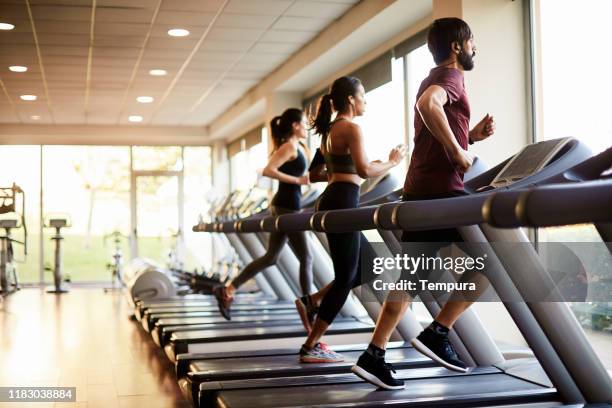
<point x="306" y="310"/>
<point x="224" y="301"/>
<point x="377" y="372"/>
<point x="319" y="354"/>
<point x="436" y="345"/>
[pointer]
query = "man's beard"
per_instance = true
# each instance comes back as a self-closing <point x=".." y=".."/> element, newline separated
<point x="466" y="61"/>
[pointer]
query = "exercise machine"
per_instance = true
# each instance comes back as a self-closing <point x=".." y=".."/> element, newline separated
<point x="115" y="266"/>
<point x="59" y="281"/>
<point x="493" y="382"/>
<point x="9" y="281"/>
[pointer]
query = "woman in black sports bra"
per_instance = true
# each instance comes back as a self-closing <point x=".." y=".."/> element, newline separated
<point x="287" y="164"/>
<point x="342" y="152"/>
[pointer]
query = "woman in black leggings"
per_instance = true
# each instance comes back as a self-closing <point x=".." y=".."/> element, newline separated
<point x="342" y="152"/>
<point x="287" y="164"/>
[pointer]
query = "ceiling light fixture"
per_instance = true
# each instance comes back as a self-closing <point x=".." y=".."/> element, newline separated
<point x="28" y="97"/>
<point x="158" y="72"/>
<point x="178" y="32"/>
<point x="6" y="26"/>
<point x="135" y="118"/>
<point x="18" y="68"/>
<point x="145" y="99"/>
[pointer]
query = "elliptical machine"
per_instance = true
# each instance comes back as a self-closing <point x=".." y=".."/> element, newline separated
<point x="57" y="222"/>
<point x="9" y="282"/>
<point x="115" y="266"/>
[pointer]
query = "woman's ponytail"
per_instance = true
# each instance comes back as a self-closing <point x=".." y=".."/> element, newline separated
<point x="322" y="120"/>
<point x="337" y="99"/>
<point x="281" y="126"/>
<point x="278" y="137"/>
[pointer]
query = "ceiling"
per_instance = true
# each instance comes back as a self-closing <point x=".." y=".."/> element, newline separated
<point x="88" y="60"/>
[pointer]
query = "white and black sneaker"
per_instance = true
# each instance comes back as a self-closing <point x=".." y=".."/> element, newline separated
<point x="319" y="354"/>
<point x="377" y="372"/>
<point x="434" y="343"/>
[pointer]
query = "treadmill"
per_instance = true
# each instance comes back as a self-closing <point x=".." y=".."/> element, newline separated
<point x="189" y="315"/>
<point x="196" y="338"/>
<point x="500" y="386"/>
<point x="183" y="364"/>
<point x="219" y="212"/>
<point x="202" y="306"/>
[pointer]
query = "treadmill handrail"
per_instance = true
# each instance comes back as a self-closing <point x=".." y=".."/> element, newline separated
<point x="414" y="215"/>
<point x="419" y="215"/>
<point x="552" y="205"/>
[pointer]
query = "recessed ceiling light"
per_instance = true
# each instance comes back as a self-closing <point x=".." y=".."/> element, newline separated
<point x="35" y="117"/>
<point x="145" y="99"/>
<point x="18" y="68"/>
<point x="135" y="118"/>
<point x="28" y="97"/>
<point x="178" y="32"/>
<point x="6" y="26"/>
<point x="158" y="72"/>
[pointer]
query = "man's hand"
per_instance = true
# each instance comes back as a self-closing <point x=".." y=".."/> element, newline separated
<point x="484" y="129"/>
<point x="463" y="159"/>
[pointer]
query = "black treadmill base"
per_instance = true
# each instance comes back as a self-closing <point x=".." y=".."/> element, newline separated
<point x="476" y="390"/>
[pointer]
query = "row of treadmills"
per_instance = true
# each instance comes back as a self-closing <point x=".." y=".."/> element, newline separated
<point x="252" y="360"/>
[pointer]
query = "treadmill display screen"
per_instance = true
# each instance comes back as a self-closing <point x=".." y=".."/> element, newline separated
<point x="529" y="160"/>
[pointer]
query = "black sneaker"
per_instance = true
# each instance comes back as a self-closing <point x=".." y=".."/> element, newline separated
<point x="438" y="347"/>
<point x="376" y="371"/>
<point x="224" y="301"/>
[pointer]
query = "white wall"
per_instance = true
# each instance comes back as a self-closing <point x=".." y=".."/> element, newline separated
<point x="499" y="83"/>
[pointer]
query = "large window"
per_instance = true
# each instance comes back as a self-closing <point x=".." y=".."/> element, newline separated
<point x="89" y="185"/>
<point x="144" y="193"/>
<point x="573" y="62"/>
<point x="157" y="158"/>
<point x="383" y="123"/>
<point x="197" y="193"/>
<point x="247" y="164"/>
<point x="418" y="64"/>
<point x="571" y="39"/>
<point x="21" y="165"/>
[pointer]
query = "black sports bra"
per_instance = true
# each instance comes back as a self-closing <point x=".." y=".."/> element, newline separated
<point x="288" y="195"/>
<point x="295" y="167"/>
<point x="339" y="163"/>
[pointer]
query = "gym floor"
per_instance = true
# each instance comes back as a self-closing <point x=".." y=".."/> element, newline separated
<point x="82" y="339"/>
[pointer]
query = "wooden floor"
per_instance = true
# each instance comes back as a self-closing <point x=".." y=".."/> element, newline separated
<point x="82" y="339"/>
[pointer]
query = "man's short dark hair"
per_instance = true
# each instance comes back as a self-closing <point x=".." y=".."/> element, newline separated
<point x="442" y="33"/>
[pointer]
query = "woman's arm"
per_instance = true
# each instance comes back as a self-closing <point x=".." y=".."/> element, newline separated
<point x="366" y="168"/>
<point x="318" y="174"/>
<point x="284" y="153"/>
<point x="317" y="170"/>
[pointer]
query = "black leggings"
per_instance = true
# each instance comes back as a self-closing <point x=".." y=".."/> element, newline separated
<point x="299" y="243"/>
<point x="343" y="248"/>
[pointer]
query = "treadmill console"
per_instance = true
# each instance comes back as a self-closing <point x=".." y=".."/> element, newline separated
<point x="58" y="222"/>
<point x="8" y="223"/>
<point x="528" y="161"/>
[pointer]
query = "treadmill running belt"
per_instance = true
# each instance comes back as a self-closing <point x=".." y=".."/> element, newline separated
<point x="288" y="365"/>
<point x="454" y="390"/>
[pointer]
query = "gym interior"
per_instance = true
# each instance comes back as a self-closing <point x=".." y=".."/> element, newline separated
<point x="141" y="170"/>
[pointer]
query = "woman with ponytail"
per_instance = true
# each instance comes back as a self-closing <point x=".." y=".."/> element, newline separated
<point x="287" y="164"/>
<point x="342" y="153"/>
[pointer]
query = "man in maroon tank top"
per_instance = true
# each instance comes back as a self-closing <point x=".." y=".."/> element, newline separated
<point x="439" y="160"/>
